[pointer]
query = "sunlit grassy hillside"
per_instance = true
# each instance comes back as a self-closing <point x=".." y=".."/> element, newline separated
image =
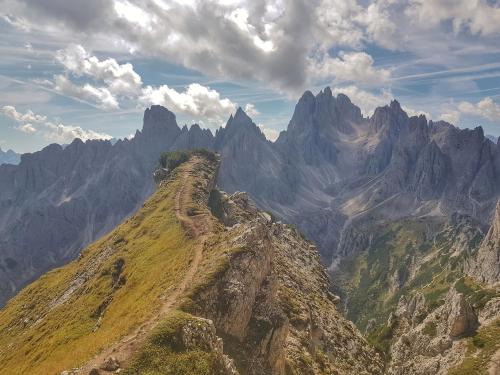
<point x="69" y="314"/>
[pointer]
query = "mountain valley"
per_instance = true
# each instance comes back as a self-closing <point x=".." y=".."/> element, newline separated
<point x="404" y="214"/>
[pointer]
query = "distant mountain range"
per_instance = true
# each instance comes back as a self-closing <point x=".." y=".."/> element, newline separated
<point x="330" y="173"/>
<point x="9" y="157"/>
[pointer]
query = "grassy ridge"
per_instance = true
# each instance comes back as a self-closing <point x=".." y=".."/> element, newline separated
<point x="122" y="278"/>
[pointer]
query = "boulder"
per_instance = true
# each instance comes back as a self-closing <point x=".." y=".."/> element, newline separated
<point x="110" y="364"/>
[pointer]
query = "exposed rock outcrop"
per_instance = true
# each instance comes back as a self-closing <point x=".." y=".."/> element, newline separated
<point x="485" y="266"/>
<point x="427" y="344"/>
<point x="272" y="304"/>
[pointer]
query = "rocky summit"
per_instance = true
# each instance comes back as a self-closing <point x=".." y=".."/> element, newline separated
<point x="403" y="212"/>
<point x="9" y="157"/>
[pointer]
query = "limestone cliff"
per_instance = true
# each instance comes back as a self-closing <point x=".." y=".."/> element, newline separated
<point x="485" y="266"/>
<point x="272" y="303"/>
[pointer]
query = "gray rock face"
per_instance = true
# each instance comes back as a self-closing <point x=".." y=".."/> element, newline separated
<point x="426" y="344"/>
<point x="332" y="168"/>
<point x="485" y="267"/>
<point x="9" y="157"/>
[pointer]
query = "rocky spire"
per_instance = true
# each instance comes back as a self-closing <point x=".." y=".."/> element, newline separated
<point x="238" y="126"/>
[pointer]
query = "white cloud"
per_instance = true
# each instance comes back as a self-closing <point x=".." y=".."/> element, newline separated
<point x="272" y="41"/>
<point x="485" y="108"/>
<point x="240" y="18"/>
<point x="379" y="27"/>
<point x="415" y="112"/>
<point x="197" y="101"/>
<point x="29" y="116"/>
<point x="365" y="100"/>
<point x="27" y="128"/>
<point x="476" y="15"/>
<point x="251" y="111"/>
<point x="121" y="79"/>
<point x="271" y="134"/>
<point x="336" y="23"/>
<point x="353" y="67"/>
<point x="65" y="134"/>
<point x="51" y="131"/>
<point x="100" y="95"/>
<point x="453" y="117"/>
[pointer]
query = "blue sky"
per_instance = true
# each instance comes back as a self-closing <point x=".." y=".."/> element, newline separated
<point x="72" y="69"/>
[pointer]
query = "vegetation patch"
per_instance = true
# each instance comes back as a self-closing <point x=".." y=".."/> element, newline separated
<point x="172" y="159"/>
<point x="381" y="338"/>
<point x="117" y="284"/>
<point x="477" y="295"/>
<point x="430" y="329"/>
<point x="165" y="353"/>
<point x="482" y="347"/>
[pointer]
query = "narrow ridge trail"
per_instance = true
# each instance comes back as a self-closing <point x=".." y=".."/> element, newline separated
<point x="197" y="227"/>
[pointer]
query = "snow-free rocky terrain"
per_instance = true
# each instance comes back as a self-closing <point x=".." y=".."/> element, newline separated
<point x="402" y="211"/>
<point x="196" y="282"/>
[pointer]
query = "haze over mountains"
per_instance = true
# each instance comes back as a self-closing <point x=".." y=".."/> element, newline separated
<point x="329" y="173"/>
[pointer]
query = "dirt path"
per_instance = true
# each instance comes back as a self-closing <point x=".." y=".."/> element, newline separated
<point x="198" y="228"/>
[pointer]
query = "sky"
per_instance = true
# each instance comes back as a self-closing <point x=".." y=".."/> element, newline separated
<point x="88" y="69"/>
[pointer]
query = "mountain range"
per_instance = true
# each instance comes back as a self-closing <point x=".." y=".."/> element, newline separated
<point x="331" y="171"/>
<point x="9" y="157"/>
<point x="403" y="211"/>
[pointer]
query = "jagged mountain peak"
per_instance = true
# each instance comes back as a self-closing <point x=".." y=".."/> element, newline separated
<point x="157" y="113"/>
<point x="240" y="118"/>
<point x="390" y="119"/>
<point x="324" y="112"/>
<point x="395" y="105"/>
<point x="239" y="124"/>
<point x="9" y="157"/>
<point x="158" y="120"/>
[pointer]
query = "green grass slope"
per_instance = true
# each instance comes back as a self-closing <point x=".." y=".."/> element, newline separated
<point x="68" y="315"/>
<point x="406" y="257"/>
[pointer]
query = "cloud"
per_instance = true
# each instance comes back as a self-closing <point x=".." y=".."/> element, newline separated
<point x="271" y="134"/>
<point x="272" y="41"/>
<point x="121" y="79"/>
<point x="50" y="130"/>
<point x="29" y="116"/>
<point x="379" y="26"/>
<point x="478" y="16"/>
<point x="453" y="117"/>
<point x="27" y="128"/>
<point x="74" y="14"/>
<point x="415" y="112"/>
<point x="65" y="134"/>
<point x="100" y="95"/>
<point x="251" y="111"/>
<point x="486" y="108"/>
<point x="365" y="100"/>
<point x="197" y="101"/>
<point x="352" y="67"/>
